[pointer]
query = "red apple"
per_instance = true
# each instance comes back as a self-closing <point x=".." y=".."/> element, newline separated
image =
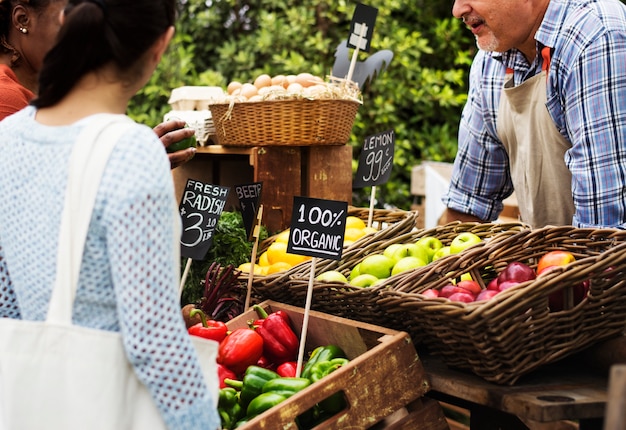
<point x="472" y="286"/>
<point x="450" y="289"/>
<point x="493" y="284"/>
<point x="554" y="258"/>
<point x="507" y="284"/>
<point x="486" y="295"/>
<point x="556" y="300"/>
<point x="430" y="293"/>
<point x="516" y="271"/>
<point x="462" y="297"/>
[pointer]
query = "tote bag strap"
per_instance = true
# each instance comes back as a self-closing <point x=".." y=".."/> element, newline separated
<point x="88" y="159"/>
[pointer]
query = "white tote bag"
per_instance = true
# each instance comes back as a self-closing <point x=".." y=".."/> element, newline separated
<point x="58" y="376"/>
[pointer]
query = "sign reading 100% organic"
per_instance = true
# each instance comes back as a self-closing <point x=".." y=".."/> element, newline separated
<point x="317" y="227"/>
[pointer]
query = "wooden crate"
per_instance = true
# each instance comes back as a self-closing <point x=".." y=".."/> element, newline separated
<point x="384" y="378"/>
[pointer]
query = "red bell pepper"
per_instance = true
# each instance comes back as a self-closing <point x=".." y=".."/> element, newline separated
<point x="241" y="348"/>
<point x="287" y="369"/>
<point x="224" y="372"/>
<point x="213" y="330"/>
<point x="280" y="343"/>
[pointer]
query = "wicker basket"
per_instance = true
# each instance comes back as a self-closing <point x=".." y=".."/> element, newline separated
<point x="300" y="122"/>
<point x="515" y="332"/>
<point x="361" y="304"/>
<point x="286" y="287"/>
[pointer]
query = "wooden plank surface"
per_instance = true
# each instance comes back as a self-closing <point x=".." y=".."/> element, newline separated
<point x="279" y="168"/>
<point x="557" y="392"/>
<point x="328" y="172"/>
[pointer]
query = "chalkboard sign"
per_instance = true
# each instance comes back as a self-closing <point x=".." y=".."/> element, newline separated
<point x="317" y="227"/>
<point x="376" y="160"/>
<point x="200" y="210"/>
<point x="249" y="196"/>
<point x="362" y="24"/>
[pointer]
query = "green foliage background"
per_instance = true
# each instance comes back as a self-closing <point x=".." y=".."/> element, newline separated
<point x="419" y="96"/>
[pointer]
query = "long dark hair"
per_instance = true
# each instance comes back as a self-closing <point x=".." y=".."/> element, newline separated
<point x="96" y="32"/>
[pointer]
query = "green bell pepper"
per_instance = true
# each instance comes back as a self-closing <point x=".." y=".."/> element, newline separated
<point x="228" y="407"/>
<point x="335" y="402"/>
<point x="254" y="379"/>
<point x="286" y="386"/>
<point x="319" y="354"/>
<point x="324" y="368"/>
<point x="262" y="403"/>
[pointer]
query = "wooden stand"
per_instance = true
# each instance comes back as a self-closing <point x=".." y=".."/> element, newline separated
<point x="323" y="172"/>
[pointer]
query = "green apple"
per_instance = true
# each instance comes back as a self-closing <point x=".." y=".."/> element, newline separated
<point x="364" y="280"/>
<point x="443" y="252"/>
<point x="331" y="276"/>
<point x="431" y="244"/>
<point x="187" y="142"/>
<point x="356" y="271"/>
<point x="411" y="250"/>
<point x="378" y="265"/>
<point x="390" y="249"/>
<point x="463" y="241"/>
<point x="407" y="263"/>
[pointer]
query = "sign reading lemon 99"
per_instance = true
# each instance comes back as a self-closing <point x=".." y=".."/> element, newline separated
<point x="200" y="209"/>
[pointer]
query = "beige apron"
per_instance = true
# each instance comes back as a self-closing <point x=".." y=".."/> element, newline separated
<point x="542" y="181"/>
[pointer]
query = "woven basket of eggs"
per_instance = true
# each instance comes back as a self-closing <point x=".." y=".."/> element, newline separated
<point x="297" y="110"/>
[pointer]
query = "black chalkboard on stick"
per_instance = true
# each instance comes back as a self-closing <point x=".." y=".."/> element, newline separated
<point x="200" y="210"/>
<point x="317" y="227"/>
<point x="249" y="196"/>
<point x="376" y="160"/>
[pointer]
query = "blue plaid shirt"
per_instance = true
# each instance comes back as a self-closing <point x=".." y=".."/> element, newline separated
<point x="586" y="98"/>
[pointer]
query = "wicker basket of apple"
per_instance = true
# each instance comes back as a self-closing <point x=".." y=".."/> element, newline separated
<point x="351" y="287"/>
<point x="508" y="307"/>
<point x="274" y="282"/>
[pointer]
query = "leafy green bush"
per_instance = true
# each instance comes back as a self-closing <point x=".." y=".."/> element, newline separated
<point x="419" y="96"/>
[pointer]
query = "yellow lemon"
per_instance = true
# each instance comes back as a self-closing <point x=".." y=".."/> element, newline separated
<point x="370" y="230"/>
<point x="353" y="234"/>
<point x="277" y="251"/>
<point x="245" y="267"/>
<point x="279" y="266"/>
<point x="263" y="261"/>
<point x="354" y="222"/>
<point x="283" y="236"/>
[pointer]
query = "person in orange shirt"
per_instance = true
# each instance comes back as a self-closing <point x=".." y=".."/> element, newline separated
<point x="28" y="29"/>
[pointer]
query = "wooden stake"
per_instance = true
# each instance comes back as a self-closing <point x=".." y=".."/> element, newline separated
<point x="305" y="321"/>
<point x="255" y="234"/>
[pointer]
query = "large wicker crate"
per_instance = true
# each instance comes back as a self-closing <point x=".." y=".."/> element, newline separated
<point x="515" y="332"/>
<point x="361" y="304"/>
<point x="372" y="384"/>
<point x="297" y="122"/>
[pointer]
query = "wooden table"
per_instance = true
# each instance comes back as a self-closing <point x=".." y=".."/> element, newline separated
<point x="557" y="392"/>
<point x="323" y="172"/>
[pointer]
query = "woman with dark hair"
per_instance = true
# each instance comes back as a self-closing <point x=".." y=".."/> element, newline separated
<point x="28" y="29"/>
<point x="105" y="52"/>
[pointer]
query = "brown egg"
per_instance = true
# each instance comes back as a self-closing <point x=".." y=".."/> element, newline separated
<point x="234" y="85"/>
<point x="295" y="88"/>
<point x="248" y="90"/>
<point x="290" y="80"/>
<point x="263" y="80"/>
<point x="305" y="79"/>
<point x="279" y="80"/>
